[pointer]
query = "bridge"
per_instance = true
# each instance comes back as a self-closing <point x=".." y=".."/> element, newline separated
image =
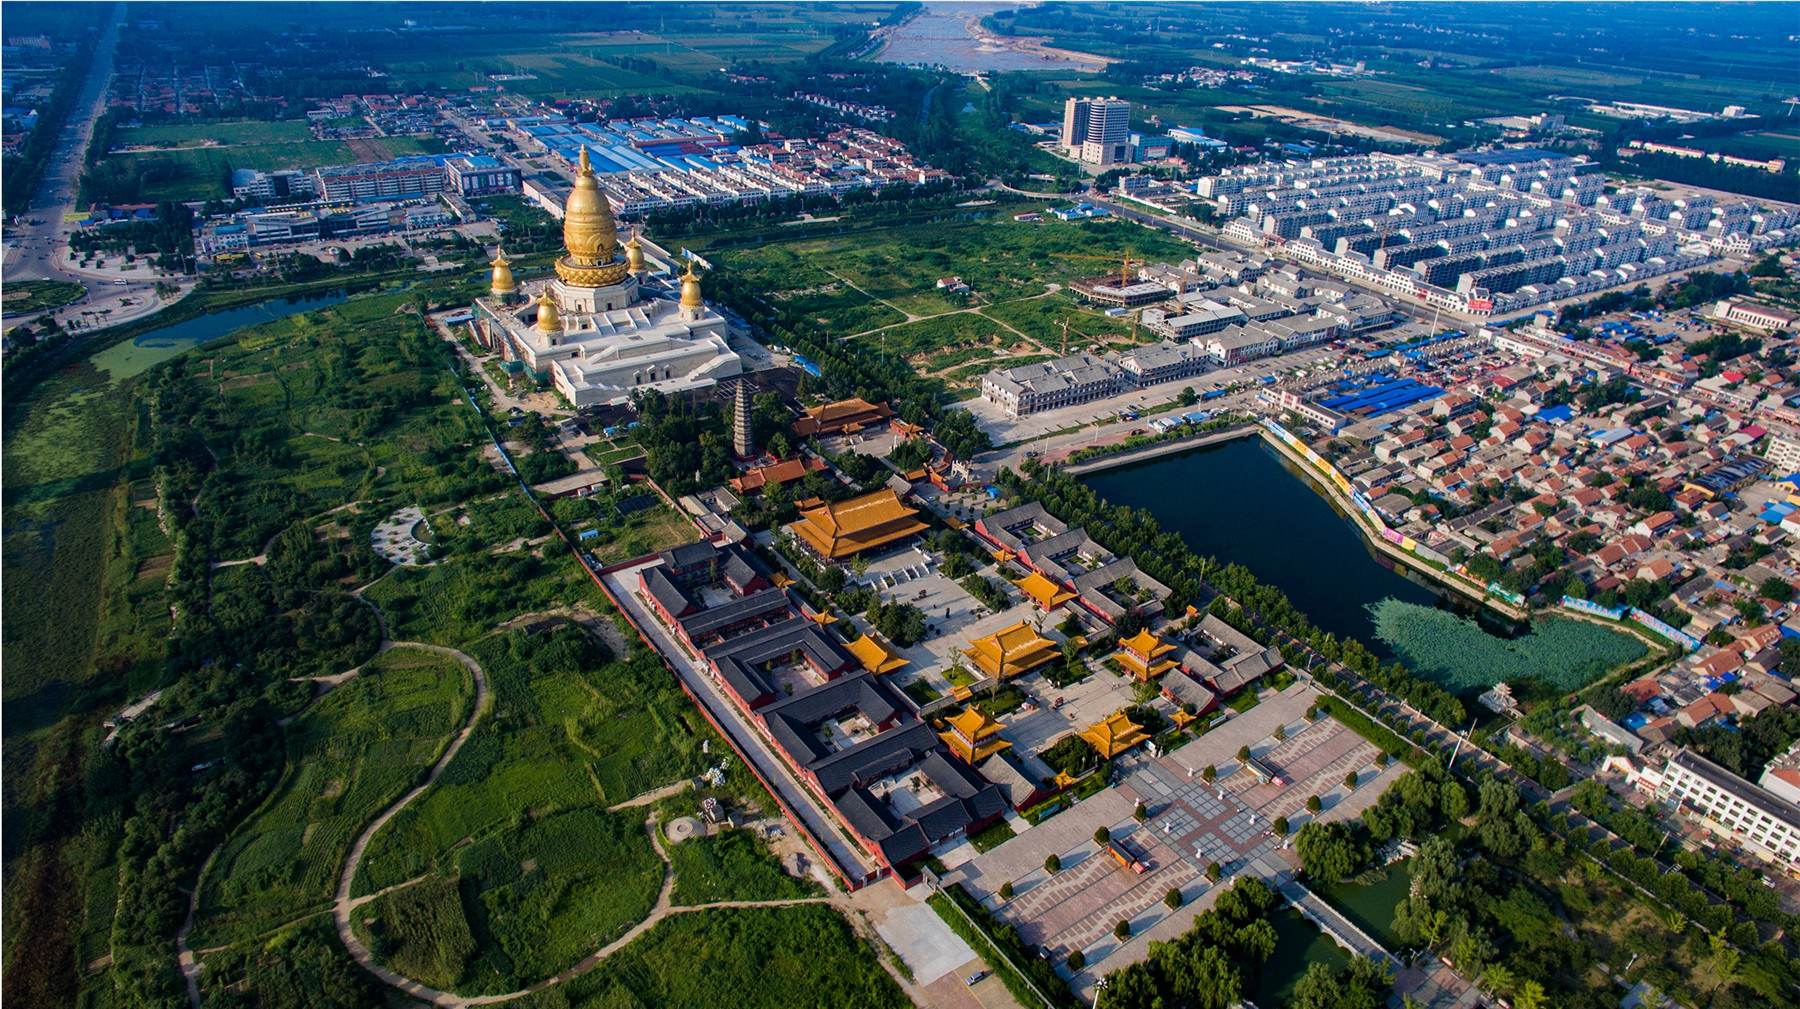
<point x="1340" y="929"/>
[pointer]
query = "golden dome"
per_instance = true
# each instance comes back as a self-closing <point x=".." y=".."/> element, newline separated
<point x="690" y="289"/>
<point x="634" y="254"/>
<point x="588" y="229"/>
<point x="547" y="320"/>
<point x="503" y="278"/>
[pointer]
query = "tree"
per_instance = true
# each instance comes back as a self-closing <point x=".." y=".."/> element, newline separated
<point x="1212" y="872"/>
<point x="1725" y="959"/>
<point x="1076" y="961"/>
<point x="1280" y="733"/>
<point x="1328" y="851"/>
<point x="1313" y="805"/>
<point x="1140" y="814"/>
<point x="1006" y="890"/>
<point x="1209" y="773"/>
<point x="1776" y="590"/>
<point x="1350" y="780"/>
<point x="1122" y="931"/>
<point x="1052" y="864"/>
<point x="1243" y="754"/>
<point x="1173" y="898"/>
<point x="1279" y="826"/>
<point x="1102" y="835"/>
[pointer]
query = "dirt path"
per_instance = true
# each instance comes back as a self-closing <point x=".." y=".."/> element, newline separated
<point x="883" y="301"/>
<point x="343" y="904"/>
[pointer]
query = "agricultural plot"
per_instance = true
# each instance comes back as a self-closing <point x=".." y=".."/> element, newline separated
<point x="349" y="756"/>
<point x="304" y="964"/>
<point x="546" y="874"/>
<point x="802" y="957"/>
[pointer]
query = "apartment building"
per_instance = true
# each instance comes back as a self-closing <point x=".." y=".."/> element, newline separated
<point x="1757" y="818"/>
<point x="1097" y="130"/>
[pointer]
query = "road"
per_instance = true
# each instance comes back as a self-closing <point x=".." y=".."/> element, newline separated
<point x="36" y="241"/>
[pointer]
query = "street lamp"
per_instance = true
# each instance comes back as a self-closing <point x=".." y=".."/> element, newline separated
<point x="1098" y="986"/>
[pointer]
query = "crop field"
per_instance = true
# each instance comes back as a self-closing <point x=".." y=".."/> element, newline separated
<point x="731" y="866"/>
<point x="349" y="756"/>
<point x="803" y="957"/>
<point x="1455" y="652"/>
<point x="1783" y="143"/>
<point x="570" y="733"/>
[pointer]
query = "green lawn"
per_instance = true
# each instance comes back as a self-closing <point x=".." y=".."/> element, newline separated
<point x="36" y="295"/>
<point x="199" y="173"/>
<point x="349" y="756"/>
<point x="208" y="134"/>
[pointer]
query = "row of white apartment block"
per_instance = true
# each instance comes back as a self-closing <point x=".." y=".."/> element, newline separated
<point x="1504" y="233"/>
<point x="1752" y="816"/>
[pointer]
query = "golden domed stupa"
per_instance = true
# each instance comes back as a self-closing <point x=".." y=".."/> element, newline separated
<point x="634" y="256"/>
<point x="548" y="320"/>
<point x="690" y="289"/>
<point x="589" y="234"/>
<point x="503" y="283"/>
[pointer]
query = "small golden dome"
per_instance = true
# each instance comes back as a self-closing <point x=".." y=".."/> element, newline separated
<point x="548" y="321"/>
<point x="589" y="232"/>
<point x="503" y="277"/>
<point x="690" y="289"/>
<point x="634" y="254"/>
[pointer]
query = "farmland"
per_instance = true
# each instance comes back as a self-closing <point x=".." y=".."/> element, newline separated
<point x="349" y="756"/>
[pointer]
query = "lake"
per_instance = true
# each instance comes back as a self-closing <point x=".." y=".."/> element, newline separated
<point x="940" y="37"/>
<point x="1246" y="503"/>
<point x="158" y="345"/>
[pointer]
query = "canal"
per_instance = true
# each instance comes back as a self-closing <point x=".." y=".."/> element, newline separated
<point x="158" y="345"/>
<point x="1243" y="502"/>
<point x="1298" y="945"/>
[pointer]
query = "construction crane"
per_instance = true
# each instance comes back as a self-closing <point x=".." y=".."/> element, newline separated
<point x="1125" y="263"/>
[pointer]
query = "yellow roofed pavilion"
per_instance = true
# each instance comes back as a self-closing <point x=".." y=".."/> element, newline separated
<point x="1045" y="593"/>
<point x="974" y="736"/>
<point x="1113" y="736"/>
<point x="1019" y="647"/>
<point x="875" y="656"/>
<point x="1144" y="656"/>
<point x="862" y="523"/>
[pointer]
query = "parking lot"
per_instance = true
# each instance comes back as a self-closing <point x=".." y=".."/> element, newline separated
<point x="1191" y="823"/>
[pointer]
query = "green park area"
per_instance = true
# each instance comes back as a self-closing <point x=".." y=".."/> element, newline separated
<point x="350" y="755"/>
<point x="30" y="296"/>
<point x="192" y="162"/>
<point x="877" y="283"/>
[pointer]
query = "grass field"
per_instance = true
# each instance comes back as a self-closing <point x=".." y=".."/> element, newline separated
<point x="517" y="820"/>
<point x="215" y="134"/>
<point x="304" y="964"/>
<point x="349" y="756"/>
<point x="199" y="173"/>
<point x="802" y="957"/>
<point x="731" y="866"/>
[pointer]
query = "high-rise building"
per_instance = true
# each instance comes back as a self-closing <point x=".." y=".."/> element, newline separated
<point x="1097" y="130"/>
<point x="1108" y="132"/>
<point x="1075" y="124"/>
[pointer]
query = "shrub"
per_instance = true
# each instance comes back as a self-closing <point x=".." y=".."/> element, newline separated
<point x="1102" y="835"/>
<point x="1140" y="814"/>
<point x="1209" y="773"/>
<point x="1313" y="805"/>
<point x="1077" y="961"/>
<point x="1006" y="890"/>
<point x="1173" y="898"/>
<point x="1213" y="872"/>
<point x="1243" y="753"/>
<point x="1280" y="733"/>
<point x="1052" y="864"/>
<point x="1280" y="826"/>
<point x="1350" y="780"/>
<point x="1122" y="931"/>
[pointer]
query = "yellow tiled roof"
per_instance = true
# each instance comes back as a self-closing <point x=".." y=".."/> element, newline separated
<point x="1043" y="591"/>
<point x="874" y="656"/>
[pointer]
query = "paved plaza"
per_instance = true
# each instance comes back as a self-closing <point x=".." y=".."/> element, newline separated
<point x="396" y="538"/>
<point x="1191" y="824"/>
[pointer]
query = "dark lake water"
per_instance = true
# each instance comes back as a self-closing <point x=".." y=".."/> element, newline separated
<point x="1240" y="502"/>
<point x="217" y="324"/>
